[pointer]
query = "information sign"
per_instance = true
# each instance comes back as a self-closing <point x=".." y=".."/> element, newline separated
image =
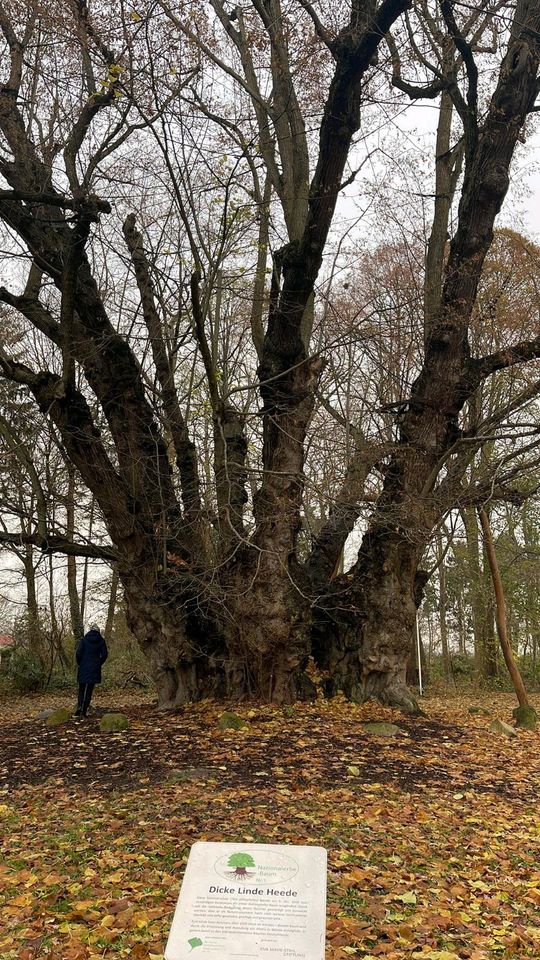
<point x="253" y="901"/>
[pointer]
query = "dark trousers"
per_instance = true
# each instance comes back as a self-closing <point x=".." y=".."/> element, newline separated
<point x="85" y="695"/>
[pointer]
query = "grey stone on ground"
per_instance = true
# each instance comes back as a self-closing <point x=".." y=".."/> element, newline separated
<point x="482" y="710"/>
<point x="56" y="717"/>
<point x="499" y="726"/>
<point x="192" y="773"/>
<point x="525" y="716"/>
<point x="231" y="721"/>
<point x="45" y="714"/>
<point x="114" y="722"/>
<point x="382" y="729"/>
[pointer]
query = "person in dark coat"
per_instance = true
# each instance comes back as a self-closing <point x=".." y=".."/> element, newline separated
<point x="91" y="653"/>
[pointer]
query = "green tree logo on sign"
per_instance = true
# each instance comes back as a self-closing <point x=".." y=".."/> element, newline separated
<point x="195" y="942"/>
<point x="240" y="861"/>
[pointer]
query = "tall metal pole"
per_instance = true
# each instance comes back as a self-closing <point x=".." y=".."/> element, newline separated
<point x="419" y="657"/>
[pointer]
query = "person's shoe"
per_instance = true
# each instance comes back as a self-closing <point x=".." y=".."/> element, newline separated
<point x="78" y="715"/>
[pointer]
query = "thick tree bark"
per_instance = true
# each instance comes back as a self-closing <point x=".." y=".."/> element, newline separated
<point x="174" y="676"/>
<point x="268" y="634"/>
<point x="363" y="639"/>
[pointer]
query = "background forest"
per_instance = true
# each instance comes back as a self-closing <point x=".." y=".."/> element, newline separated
<point x="263" y="356"/>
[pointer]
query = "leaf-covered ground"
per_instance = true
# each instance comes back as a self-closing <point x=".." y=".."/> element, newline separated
<point x="433" y="837"/>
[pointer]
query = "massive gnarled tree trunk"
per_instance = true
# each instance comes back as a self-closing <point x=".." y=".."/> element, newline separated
<point x="223" y="603"/>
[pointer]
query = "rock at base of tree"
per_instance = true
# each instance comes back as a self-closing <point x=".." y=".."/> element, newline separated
<point x="499" y="726"/>
<point x="525" y="716"/>
<point x="382" y="729"/>
<point x="231" y="721"/>
<point x="481" y="710"/>
<point x="114" y="723"/>
<point x="56" y="717"/>
<point x="45" y="714"/>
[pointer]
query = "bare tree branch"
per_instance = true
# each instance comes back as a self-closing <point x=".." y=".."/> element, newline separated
<point x="508" y="357"/>
<point x="52" y="543"/>
<point x="325" y="35"/>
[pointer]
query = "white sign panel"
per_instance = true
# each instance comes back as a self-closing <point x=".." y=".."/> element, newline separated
<point x="251" y="900"/>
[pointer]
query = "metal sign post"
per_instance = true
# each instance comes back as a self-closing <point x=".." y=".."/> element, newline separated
<point x="419" y="657"/>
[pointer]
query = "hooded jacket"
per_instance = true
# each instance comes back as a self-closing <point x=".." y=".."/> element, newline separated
<point x="91" y="653"/>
